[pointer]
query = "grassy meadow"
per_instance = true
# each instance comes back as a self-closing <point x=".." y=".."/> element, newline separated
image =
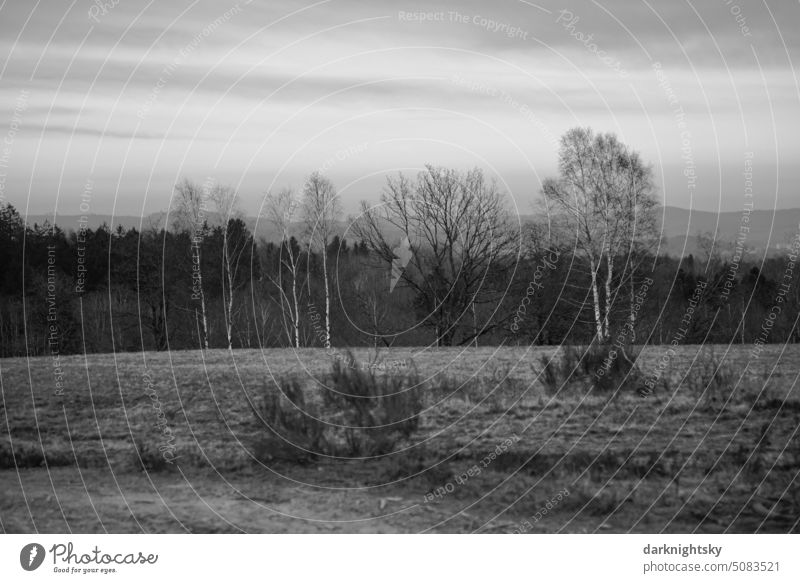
<point x="169" y="442"/>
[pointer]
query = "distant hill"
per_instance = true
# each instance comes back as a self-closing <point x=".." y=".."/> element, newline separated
<point x="770" y="230"/>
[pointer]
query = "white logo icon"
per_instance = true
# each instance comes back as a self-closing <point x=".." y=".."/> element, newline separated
<point x="402" y="255"/>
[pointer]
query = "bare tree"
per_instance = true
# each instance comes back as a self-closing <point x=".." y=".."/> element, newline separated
<point x="280" y="209"/>
<point x="234" y="244"/>
<point x="461" y="245"/>
<point x="191" y="214"/>
<point x="371" y="298"/>
<point x="321" y="211"/>
<point x="604" y="193"/>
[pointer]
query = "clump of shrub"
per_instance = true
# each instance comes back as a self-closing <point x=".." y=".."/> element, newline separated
<point x="355" y="412"/>
<point x="552" y="374"/>
<point x="588" y="498"/>
<point x="492" y="388"/>
<point x="293" y="431"/>
<point x="613" y="368"/>
<point x="148" y="456"/>
<point x="712" y="379"/>
<point x="604" y="368"/>
<point x="24" y="455"/>
<point x="29" y="454"/>
<point x="376" y="410"/>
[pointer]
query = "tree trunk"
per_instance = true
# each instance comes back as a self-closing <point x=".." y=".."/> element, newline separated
<point x="474" y="324"/>
<point x="327" y="294"/>
<point x="204" y="330"/>
<point x="633" y="311"/>
<point x="229" y="277"/>
<point x="296" y="315"/>
<point x="596" y="301"/>
<point x="204" y="327"/>
<point x="609" y="277"/>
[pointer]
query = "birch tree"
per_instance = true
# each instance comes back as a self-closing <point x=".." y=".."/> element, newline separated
<point x="191" y="215"/>
<point x="321" y="211"/>
<point x="280" y="209"/>
<point x="234" y="244"/>
<point x="604" y="193"/>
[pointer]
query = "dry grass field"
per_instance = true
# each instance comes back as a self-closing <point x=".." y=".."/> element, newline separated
<point x="498" y="448"/>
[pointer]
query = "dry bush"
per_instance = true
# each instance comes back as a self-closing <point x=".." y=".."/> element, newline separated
<point x="492" y="388"/>
<point x="294" y="431"/>
<point x="30" y="454"/>
<point x="357" y="412"/>
<point x="712" y="379"/>
<point x="605" y="368"/>
<point x="613" y="368"/>
<point x="23" y="455"/>
<point x="551" y="374"/>
<point x="377" y="410"/>
<point x="593" y="499"/>
<point x="148" y="457"/>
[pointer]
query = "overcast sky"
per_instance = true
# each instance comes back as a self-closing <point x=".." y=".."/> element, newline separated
<point x="132" y="97"/>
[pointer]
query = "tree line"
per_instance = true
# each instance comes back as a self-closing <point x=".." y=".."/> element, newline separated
<point x="438" y="260"/>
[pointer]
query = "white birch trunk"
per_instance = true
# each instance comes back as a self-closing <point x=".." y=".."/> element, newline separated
<point x="596" y="301"/>
<point x="609" y="277"/>
<point x="327" y="293"/>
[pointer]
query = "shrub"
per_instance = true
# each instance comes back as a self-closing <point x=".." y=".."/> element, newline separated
<point x="30" y="454"/>
<point x="604" y="367"/>
<point x="612" y="368"/>
<point x="491" y="388"/>
<point x="148" y="456"/>
<point x="713" y="379"/>
<point x="377" y="410"/>
<point x="294" y="431"/>
<point x="550" y="377"/>
<point x="357" y="412"/>
<point x="24" y="455"/>
<point x="591" y="499"/>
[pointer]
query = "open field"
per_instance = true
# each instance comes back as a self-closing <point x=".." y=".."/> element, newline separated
<point x="703" y="453"/>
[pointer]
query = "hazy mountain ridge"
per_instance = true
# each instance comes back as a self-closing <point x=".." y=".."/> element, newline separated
<point x="770" y="230"/>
